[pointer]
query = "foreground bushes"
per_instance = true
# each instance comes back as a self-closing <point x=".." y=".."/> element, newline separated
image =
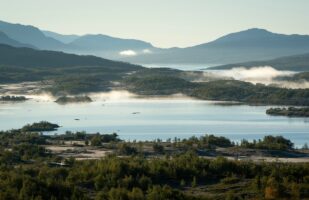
<point x="139" y="178"/>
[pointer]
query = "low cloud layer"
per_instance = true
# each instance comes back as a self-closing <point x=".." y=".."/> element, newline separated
<point x="128" y="53"/>
<point x="147" y="51"/>
<point x="260" y="74"/>
<point x="131" y="52"/>
<point x="125" y="96"/>
<point x="292" y="85"/>
<point x="264" y="74"/>
<point x="117" y="95"/>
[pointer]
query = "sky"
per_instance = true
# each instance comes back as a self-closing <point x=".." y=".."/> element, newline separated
<point x="164" y="23"/>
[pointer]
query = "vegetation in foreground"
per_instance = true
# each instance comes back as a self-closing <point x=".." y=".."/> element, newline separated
<point x="29" y="170"/>
<point x="290" y="112"/>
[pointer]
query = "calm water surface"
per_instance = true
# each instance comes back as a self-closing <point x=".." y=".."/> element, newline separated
<point x="185" y="67"/>
<point x="148" y="119"/>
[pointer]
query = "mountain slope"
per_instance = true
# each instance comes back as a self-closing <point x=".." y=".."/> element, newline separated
<point x="60" y="73"/>
<point x="252" y="44"/>
<point x="291" y="63"/>
<point x="30" y="35"/>
<point x="4" y="39"/>
<point x="26" y="57"/>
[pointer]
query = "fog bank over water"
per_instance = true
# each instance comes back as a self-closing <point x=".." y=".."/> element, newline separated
<point x="261" y="74"/>
<point x="120" y="95"/>
<point x="126" y="96"/>
<point x="45" y="97"/>
<point x="113" y="96"/>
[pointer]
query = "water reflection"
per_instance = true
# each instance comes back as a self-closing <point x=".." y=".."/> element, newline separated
<point x="157" y="118"/>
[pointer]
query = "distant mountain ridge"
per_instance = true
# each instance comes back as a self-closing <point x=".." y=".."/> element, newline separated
<point x="258" y="37"/>
<point x="60" y="37"/>
<point x="244" y="46"/>
<point x="99" y="45"/>
<point x="105" y="42"/>
<point x="107" y="46"/>
<point x="251" y="44"/>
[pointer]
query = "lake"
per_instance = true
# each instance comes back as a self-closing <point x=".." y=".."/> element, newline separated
<point x="148" y="119"/>
<point x="184" y="67"/>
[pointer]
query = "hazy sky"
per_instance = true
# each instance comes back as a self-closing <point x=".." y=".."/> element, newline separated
<point x="164" y="23"/>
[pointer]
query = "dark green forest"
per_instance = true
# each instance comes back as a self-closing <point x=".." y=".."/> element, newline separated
<point x="223" y="90"/>
<point x="28" y="170"/>
<point x="183" y="176"/>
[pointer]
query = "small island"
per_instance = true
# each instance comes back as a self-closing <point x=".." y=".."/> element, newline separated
<point x="13" y="98"/>
<point x="40" y="127"/>
<point x="75" y="99"/>
<point x="290" y="112"/>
